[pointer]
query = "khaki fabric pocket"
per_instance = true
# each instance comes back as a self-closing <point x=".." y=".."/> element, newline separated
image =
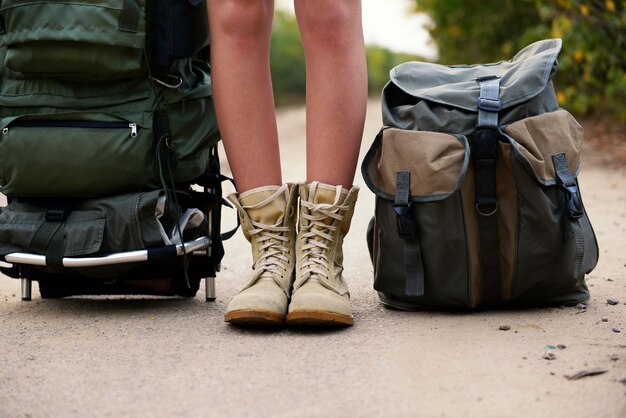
<point x="437" y="163"/>
<point x="538" y="138"/>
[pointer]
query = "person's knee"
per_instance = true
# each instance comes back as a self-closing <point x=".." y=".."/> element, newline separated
<point x="242" y="18"/>
<point x="330" y="20"/>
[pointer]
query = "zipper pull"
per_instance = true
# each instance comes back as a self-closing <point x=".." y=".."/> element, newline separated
<point x="133" y="129"/>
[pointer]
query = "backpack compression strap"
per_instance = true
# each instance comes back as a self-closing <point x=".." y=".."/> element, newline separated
<point x="129" y="17"/>
<point x="407" y="230"/>
<point x="573" y="207"/>
<point x="484" y="151"/>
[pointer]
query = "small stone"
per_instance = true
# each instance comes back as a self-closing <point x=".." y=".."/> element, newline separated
<point x="605" y="319"/>
<point x="612" y="301"/>
<point x="561" y="346"/>
<point x="548" y="355"/>
<point x="617" y="330"/>
<point x="505" y="327"/>
<point x="552" y="373"/>
<point x="581" y="306"/>
<point x="614" y="357"/>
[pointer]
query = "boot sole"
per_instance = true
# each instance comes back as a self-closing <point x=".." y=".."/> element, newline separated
<point x="318" y="318"/>
<point x="261" y="318"/>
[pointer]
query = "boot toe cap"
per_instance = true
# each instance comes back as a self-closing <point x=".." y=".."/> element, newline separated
<point x="315" y="304"/>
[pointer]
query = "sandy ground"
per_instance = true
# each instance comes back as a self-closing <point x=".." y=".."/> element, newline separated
<point x="176" y="357"/>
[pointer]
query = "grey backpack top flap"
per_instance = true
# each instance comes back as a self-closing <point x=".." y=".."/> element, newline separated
<point x="454" y="87"/>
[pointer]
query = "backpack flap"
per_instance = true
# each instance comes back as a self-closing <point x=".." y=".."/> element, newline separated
<point x="436" y="162"/>
<point x="417" y="178"/>
<point x="427" y="96"/>
<point x="98" y="40"/>
<point x="537" y="139"/>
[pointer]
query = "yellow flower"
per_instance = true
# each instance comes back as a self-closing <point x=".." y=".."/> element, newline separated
<point x="560" y="96"/>
<point x="578" y="56"/>
<point x="584" y="9"/>
<point x="610" y="5"/>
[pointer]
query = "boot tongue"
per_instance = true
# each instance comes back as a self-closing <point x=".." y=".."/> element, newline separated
<point x="326" y="194"/>
<point x="266" y="205"/>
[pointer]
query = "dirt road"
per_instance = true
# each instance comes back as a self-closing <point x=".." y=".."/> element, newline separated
<point x="168" y="358"/>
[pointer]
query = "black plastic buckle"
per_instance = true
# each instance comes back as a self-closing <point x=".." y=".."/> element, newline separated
<point x="573" y="203"/>
<point x="57" y="215"/>
<point x="407" y="227"/>
<point x="485" y="144"/>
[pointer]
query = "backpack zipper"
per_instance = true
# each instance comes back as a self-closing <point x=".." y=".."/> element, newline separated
<point x="134" y="128"/>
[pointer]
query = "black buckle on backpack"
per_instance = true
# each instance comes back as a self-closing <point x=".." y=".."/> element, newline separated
<point x="485" y="144"/>
<point x="407" y="227"/>
<point x="573" y="204"/>
<point x="57" y="215"/>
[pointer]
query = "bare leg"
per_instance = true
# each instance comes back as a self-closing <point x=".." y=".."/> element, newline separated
<point x="336" y="85"/>
<point x="242" y="89"/>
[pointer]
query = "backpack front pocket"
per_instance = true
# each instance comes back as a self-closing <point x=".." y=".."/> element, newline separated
<point x="96" y="155"/>
<point x="420" y="250"/>
<point x="98" y="40"/>
<point x="555" y="243"/>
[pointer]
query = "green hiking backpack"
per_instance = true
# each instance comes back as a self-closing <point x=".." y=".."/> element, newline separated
<point x="107" y="120"/>
<point x="477" y="198"/>
<point x="103" y="97"/>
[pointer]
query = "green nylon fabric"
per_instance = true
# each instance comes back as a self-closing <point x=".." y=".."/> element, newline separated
<point x="443" y="98"/>
<point x="129" y="218"/>
<point x="69" y="61"/>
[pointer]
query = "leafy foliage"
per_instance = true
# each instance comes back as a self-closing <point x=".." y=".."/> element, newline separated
<point x="287" y="60"/>
<point x="592" y="74"/>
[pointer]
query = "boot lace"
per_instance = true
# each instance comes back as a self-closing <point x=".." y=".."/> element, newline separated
<point x="318" y="237"/>
<point x="273" y="252"/>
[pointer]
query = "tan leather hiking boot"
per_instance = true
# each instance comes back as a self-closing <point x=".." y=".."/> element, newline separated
<point x="320" y="295"/>
<point x="268" y="220"/>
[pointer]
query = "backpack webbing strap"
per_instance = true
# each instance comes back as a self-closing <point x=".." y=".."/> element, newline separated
<point x="484" y="151"/>
<point x="129" y="17"/>
<point x="573" y="206"/>
<point x="489" y="103"/>
<point x="49" y="239"/>
<point x="407" y="230"/>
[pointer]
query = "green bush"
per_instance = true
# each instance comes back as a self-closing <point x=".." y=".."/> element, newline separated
<point x="379" y="62"/>
<point x="287" y="60"/>
<point x="592" y="74"/>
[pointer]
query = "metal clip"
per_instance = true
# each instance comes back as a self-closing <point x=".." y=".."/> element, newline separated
<point x="177" y="81"/>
